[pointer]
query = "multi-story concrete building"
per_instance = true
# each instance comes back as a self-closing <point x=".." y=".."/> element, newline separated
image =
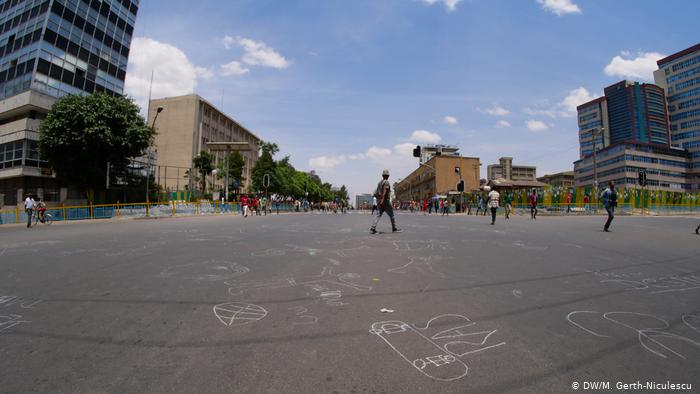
<point x="666" y="167"/>
<point x="635" y="136"/>
<point x="593" y="121"/>
<point x="48" y="49"/>
<point x="440" y="175"/>
<point x="185" y="126"/>
<point x="560" y="179"/>
<point x="506" y="170"/>
<point x="679" y="75"/>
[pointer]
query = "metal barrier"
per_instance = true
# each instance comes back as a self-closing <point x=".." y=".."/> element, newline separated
<point x="113" y="211"/>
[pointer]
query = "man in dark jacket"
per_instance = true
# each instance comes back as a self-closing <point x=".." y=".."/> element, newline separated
<point x="383" y="193"/>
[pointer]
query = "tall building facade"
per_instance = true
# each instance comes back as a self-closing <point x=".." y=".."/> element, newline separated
<point x="185" y="126"/>
<point x="637" y="113"/>
<point x="632" y="133"/>
<point x="679" y="75"/>
<point x="49" y="49"/>
<point x="593" y="127"/>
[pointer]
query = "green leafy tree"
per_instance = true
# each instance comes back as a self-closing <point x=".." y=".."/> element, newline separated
<point x="235" y="169"/>
<point x="204" y="164"/>
<point x="81" y="134"/>
<point x="265" y="165"/>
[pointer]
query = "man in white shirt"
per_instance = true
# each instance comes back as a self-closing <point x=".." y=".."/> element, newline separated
<point x="493" y="203"/>
<point x="374" y="204"/>
<point x="29" y="208"/>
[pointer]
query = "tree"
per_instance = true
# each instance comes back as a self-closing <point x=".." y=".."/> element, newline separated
<point x="265" y="165"/>
<point x="204" y="164"/>
<point x="235" y="170"/>
<point x="82" y="134"/>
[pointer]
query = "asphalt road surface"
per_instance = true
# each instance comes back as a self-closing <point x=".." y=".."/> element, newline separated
<point x="292" y="303"/>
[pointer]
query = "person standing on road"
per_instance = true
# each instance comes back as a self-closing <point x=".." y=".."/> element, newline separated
<point x="29" y="205"/>
<point x="697" y="230"/>
<point x="425" y="206"/>
<point x="374" y="204"/>
<point x="568" y="202"/>
<point x="478" y="204"/>
<point x="586" y="203"/>
<point x="494" y="198"/>
<point x="508" y="203"/>
<point x="533" y="204"/>
<point x="609" y="199"/>
<point x="383" y="193"/>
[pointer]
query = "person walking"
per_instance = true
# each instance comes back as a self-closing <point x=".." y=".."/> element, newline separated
<point x="425" y="206"/>
<point x="697" y="230"/>
<point x="568" y="202"/>
<point x="586" y="203"/>
<point x="478" y="205"/>
<point x="244" y="204"/>
<point x="494" y="198"/>
<point x="374" y="204"/>
<point x="609" y="199"/>
<point x="29" y="205"/>
<point x="383" y="194"/>
<point x="533" y="204"/>
<point x="508" y="203"/>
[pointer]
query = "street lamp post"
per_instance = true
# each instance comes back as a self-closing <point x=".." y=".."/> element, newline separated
<point x="594" y="133"/>
<point x="148" y="165"/>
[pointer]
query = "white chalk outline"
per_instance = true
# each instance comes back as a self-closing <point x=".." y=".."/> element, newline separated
<point x="259" y="314"/>
<point x="396" y="327"/>
<point x="643" y="334"/>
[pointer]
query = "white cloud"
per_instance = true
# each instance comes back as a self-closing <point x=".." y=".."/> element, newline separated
<point x="233" y="68"/>
<point x="495" y="110"/>
<point x="173" y="73"/>
<point x="451" y="120"/>
<point x="560" y="7"/>
<point x="536" y="125"/>
<point x="503" y="124"/>
<point x="425" y="136"/>
<point x="565" y="108"/>
<point x="204" y="73"/>
<point x="641" y="67"/>
<point x="451" y="5"/>
<point x="377" y="153"/>
<point x="257" y="53"/>
<point x="228" y="42"/>
<point x="405" y="149"/>
<point x="326" y="163"/>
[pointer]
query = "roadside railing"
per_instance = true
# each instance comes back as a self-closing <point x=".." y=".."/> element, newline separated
<point x="134" y="210"/>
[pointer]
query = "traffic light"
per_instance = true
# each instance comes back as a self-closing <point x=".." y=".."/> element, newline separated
<point x="460" y="186"/>
<point x="642" y="178"/>
<point x="416" y="151"/>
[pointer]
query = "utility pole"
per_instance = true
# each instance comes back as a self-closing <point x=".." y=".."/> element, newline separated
<point x="595" y="165"/>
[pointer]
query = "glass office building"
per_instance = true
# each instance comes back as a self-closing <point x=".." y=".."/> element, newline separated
<point x="679" y="75"/>
<point x="637" y="113"/>
<point x="49" y="49"/>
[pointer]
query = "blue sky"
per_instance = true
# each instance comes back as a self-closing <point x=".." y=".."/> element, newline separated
<point x="347" y="87"/>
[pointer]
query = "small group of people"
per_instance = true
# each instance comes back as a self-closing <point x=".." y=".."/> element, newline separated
<point x="254" y="206"/>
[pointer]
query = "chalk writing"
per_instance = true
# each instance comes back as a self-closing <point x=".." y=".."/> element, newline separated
<point x="660" y="285"/>
<point x="651" y="331"/>
<point x="424" y="352"/>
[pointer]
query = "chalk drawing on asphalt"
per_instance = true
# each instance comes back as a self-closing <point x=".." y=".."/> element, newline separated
<point x="654" y="337"/>
<point x="238" y="313"/>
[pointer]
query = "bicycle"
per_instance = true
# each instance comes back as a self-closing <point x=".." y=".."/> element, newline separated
<point x="43" y="216"/>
